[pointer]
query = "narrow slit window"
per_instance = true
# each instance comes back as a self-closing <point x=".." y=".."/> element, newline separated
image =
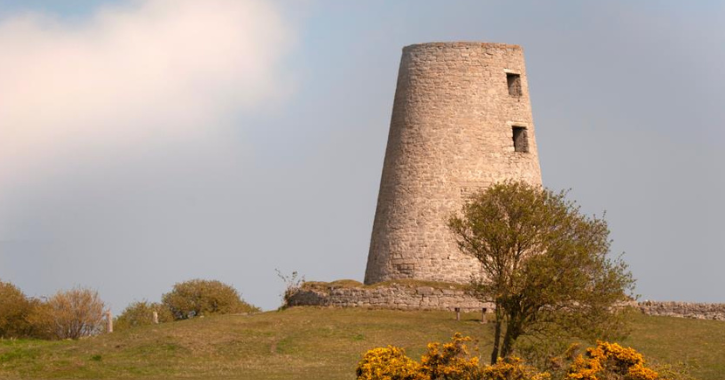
<point x="521" y="140"/>
<point x="514" y="84"/>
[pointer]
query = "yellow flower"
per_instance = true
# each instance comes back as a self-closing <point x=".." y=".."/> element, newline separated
<point x="387" y="363"/>
<point x="613" y="358"/>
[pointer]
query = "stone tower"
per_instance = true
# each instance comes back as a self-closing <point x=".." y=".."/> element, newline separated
<point x="461" y="121"/>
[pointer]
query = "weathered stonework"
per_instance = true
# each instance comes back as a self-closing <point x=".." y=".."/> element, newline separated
<point x="393" y="296"/>
<point x="714" y="311"/>
<point x="456" y="110"/>
<point x="399" y="296"/>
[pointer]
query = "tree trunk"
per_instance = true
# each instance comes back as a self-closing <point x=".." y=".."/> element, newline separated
<point x="497" y="334"/>
<point x="513" y="331"/>
<point x="507" y="342"/>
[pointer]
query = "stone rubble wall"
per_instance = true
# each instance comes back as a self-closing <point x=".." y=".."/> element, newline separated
<point x="407" y="297"/>
<point x="714" y="311"/>
<point x="397" y="297"/>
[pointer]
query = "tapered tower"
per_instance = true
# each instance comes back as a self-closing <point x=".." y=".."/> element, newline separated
<point x="461" y="121"/>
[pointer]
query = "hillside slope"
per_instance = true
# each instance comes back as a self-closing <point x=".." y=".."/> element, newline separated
<point x="308" y="343"/>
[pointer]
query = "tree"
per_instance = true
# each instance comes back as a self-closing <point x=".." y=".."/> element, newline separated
<point x="545" y="266"/>
<point x="16" y="312"/>
<point x="141" y="313"/>
<point x="75" y="313"/>
<point x="198" y="297"/>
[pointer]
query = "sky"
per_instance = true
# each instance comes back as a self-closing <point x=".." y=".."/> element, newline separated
<point x="148" y="142"/>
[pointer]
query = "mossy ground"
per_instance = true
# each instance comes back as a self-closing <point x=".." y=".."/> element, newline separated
<point x="309" y="343"/>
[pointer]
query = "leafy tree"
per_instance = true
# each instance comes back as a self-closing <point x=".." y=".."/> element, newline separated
<point x="545" y="266"/>
<point x="142" y="313"/>
<point x="200" y="297"/>
<point x="16" y="312"/>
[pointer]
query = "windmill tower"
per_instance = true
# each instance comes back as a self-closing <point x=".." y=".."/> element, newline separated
<point x="461" y="122"/>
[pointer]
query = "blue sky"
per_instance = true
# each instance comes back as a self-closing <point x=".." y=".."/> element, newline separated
<point x="143" y="143"/>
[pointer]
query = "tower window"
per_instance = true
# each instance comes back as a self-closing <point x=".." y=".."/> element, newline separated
<point x="514" y="84"/>
<point x="521" y="140"/>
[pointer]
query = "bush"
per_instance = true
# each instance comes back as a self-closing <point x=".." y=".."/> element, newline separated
<point x="204" y="297"/>
<point x="16" y="312"/>
<point x="72" y="314"/>
<point x="512" y="368"/>
<point x="388" y="364"/>
<point x="611" y="361"/>
<point x="142" y="313"/>
<point x="292" y="285"/>
<point x="452" y="361"/>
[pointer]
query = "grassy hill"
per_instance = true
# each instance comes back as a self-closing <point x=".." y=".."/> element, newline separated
<point x="309" y="343"/>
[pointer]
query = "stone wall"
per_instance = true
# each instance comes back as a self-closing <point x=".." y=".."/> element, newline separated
<point x="394" y="296"/>
<point x="455" y="110"/>
<point x="714" y="311"/>
<point x="411" y="296"/>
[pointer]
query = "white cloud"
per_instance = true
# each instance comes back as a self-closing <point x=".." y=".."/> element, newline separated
<point x="148" y="70"/>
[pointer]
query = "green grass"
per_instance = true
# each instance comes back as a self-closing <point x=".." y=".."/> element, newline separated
<point x="699" y="345"/>
<point x="308" y="343"/>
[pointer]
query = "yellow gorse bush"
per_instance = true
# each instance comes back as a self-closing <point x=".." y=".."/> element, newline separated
<point x="388" y="363"/>
<point x="611" y="359"/>
<point x="450" y="361"/>
<point x="512" y="368"/>
<point x="453" y="361"/>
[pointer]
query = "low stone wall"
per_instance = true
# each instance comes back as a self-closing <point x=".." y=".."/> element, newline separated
<point x="394" y="296"/>
<point x="715" y="311"/>
<point x="402" y="296"/>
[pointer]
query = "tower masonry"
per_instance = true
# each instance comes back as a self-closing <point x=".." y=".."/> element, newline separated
<point x="461" y="122"/>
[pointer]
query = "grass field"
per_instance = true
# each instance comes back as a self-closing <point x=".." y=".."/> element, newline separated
<point x="309" y="343"/>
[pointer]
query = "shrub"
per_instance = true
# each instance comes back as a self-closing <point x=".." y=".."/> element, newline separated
<point x="610" y="361"/>
<point x="16" y="312"/>
<point x="142" y="313"/>
<point x="388" y="363"/>
<point x="450" y="361"/>
<point x="292" y="284"/>
<point x="73" y="314"/>
<point x="512" y="368"/>
<point x="204" y="297"/>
